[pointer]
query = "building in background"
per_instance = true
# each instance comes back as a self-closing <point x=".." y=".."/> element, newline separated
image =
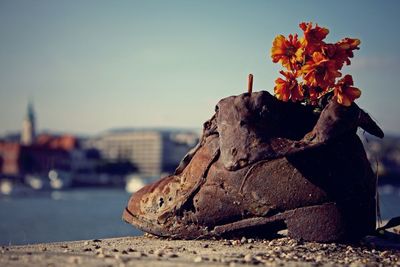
<point x="38" y="161"/>
<point x="152" y="151"/>
<point x="108" y="159"/>
<point x="28" y="133"/>
<point x="9" y="158"/>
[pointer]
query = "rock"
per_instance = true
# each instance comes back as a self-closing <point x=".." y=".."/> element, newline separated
<point x="198" y="259"/>
<point x="248" y="258"/>
<point x="235" y="242"/>
<point x="159" y="252"/>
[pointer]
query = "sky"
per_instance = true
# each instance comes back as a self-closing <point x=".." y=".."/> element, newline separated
<point x="89" y="66"/>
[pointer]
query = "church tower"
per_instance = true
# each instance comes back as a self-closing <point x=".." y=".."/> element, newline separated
<point x="28" y="127"/>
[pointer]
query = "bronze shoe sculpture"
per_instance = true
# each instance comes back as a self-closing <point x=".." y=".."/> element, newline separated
<point x="263" y="165"/>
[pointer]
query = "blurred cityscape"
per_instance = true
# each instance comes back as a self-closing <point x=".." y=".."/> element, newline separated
<point x="127" y="158"/>
<point x="384" y="156"/>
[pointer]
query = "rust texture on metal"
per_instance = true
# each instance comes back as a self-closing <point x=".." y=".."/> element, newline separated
<point x="263" y="165"/>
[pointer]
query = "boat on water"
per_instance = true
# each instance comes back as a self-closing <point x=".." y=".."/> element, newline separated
<point x="11" y="187"/>
<point x="53" y="180"/>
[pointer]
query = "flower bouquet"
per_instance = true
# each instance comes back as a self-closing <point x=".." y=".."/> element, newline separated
<point x="317" y="63"/>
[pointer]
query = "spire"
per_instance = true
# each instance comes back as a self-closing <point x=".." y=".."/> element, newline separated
<point x="30" y="115"/>
<point x="28" y="133"/>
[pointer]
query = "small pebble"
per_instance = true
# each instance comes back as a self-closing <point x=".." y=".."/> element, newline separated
<point x="124" y="252"/>
<point x="248" y="258"/>
<point x="159" y="252"/>
<point x="198" y="259"/>
<point x="100" y="251"/>
<point x="96" y="240"/>
<point x="384" y="254"/>
<point x="318" y="258"/>
<point x="235" y="242"/>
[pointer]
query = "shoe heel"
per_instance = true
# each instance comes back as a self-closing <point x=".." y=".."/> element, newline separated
<point x="330" y="222"/>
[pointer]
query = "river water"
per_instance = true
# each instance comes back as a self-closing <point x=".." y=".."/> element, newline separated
<point x="78" y="214"/>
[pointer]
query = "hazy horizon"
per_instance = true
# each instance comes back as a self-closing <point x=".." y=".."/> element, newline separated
<point x="90" y="66"/>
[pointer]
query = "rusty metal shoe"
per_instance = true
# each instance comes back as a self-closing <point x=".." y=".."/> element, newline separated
<point x="263" y="165"/>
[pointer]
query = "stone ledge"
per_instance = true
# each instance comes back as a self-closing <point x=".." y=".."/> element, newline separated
<point x="152" y="251"/>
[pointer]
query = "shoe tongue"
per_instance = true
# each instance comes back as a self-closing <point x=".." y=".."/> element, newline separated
<point x="257" y="127"/>
<point x="336" y="120"/>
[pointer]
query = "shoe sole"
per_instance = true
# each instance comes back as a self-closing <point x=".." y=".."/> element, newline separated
<point x="321" y="223"/>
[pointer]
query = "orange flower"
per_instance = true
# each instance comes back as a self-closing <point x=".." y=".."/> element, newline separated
<point x="320" y="71"/>
<point x="344" y="92"/>
<point x="335" y="53"/>
<point x="288" y="88"/>
<point x="287" y="51"/>
<point x="316" y="92"/>
<point x="347" y="45"/>
<point x="313" y="36"/>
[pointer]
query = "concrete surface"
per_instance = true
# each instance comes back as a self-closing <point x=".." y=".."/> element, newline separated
<point x="152" y="251"/>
